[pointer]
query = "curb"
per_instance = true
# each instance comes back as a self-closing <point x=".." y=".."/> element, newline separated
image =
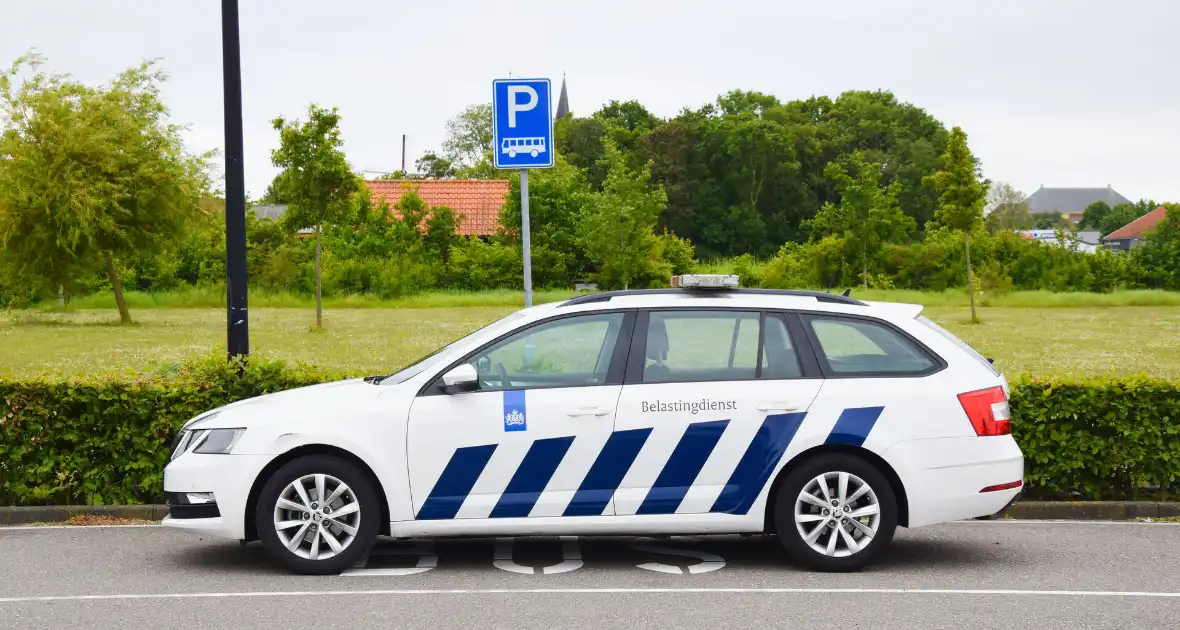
<point x="20" y="515"/>
<point x="1092" y="510"/>
<point x="1041" y="510"/>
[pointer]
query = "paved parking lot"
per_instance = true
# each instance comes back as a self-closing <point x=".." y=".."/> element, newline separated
<point x="971" y="574"/>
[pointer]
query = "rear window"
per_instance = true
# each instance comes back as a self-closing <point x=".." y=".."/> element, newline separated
<point x="958" y="342"/>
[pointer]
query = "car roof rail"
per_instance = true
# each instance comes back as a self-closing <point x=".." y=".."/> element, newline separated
<point x="606" y="296"/>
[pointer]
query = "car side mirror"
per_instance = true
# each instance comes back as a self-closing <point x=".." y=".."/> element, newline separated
<point x="461" y="378"/>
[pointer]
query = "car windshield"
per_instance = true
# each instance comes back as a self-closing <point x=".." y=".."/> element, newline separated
<point x="434" y="357"/>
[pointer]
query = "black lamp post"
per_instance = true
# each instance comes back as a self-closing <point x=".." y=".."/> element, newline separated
<point x="238" y="326"/>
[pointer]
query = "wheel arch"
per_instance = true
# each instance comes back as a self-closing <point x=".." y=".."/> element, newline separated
<point x="303" y="451"/>
<point x="903" y="503"/>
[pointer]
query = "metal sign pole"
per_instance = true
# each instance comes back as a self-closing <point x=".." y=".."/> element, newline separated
<point x="524" y="235"/>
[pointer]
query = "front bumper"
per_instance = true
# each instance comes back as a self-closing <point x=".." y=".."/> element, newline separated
<point x="228" y="477"/>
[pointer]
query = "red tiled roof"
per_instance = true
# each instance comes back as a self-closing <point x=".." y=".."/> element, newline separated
<point x="478" y="200"/>
<point x="1140" y="226"/>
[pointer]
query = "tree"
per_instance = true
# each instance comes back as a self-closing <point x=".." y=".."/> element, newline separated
<point x="1008" y="210"/>
<point x="433" y="166"/>
<point x="618" y="227"/>
<point x="90" y="175"/>
<point x="867" y="215"/>
<point x="962" y="192"/>
<point x="319" y="181"/>
<point x="557" y="198"/>
<point x="469" y="137"/>
<point x="277" y="192"/>
<point x="1119" y="216"/>
<point x="1094" y="215"/>
<point x="1159" y="255"/>
<point x="1050" y="221"/>
<point x="579" y="142"/>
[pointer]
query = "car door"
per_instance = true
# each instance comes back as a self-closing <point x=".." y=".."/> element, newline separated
<point x="718" y="395"/>
<point x="522" y="443"/>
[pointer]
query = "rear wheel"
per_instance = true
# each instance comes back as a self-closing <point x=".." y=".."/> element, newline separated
<point x="317" y="515"/>
<point x="835" y="513"/>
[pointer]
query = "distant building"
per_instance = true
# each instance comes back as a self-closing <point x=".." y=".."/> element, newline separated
<point x="478" y="200"/>
<point x="563" y="102"/>
<point x="1131" y="235"/>
<point x="1075" y="241"/>
<point x="275" y="213"/>
<point x="1071" y="202"/>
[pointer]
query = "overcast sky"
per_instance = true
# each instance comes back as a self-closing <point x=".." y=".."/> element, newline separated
<point x="1066" y="93"/>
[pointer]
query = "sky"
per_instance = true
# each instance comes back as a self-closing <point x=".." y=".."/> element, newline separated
<point x="1053" y="93"/>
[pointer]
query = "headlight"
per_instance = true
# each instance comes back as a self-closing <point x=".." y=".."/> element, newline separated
<point x="207" y="441"/>
<point x="215" y="441"/>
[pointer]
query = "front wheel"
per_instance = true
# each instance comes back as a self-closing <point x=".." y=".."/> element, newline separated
<point x="835" y="513"/>
<point x="317" y="515"/>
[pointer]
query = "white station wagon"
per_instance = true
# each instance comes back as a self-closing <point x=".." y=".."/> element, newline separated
<point x="703" y="409"/>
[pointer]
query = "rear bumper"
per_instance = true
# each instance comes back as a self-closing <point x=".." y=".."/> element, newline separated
<point x="943" y="477"/>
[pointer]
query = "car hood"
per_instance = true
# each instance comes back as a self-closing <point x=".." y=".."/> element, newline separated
<point x="327" y="400"/>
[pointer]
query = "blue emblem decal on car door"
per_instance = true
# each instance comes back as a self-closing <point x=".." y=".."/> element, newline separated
<point x="514" y="410"/>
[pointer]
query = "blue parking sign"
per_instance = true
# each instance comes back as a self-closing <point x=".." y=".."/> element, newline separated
<point x="522" y="123"/>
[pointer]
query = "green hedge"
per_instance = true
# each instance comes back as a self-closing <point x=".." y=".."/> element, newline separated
<point x="1099" y="438"/>
<point x="106" y="441"/>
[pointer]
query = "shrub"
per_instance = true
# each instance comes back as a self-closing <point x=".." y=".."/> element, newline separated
<point x="476" y="265"/>
<point x="1098" y="438"/>
<point x="106" y="441"/>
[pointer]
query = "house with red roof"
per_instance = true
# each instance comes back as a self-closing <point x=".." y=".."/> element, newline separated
<point x="477" y="201"/>
<point x="1131" y="234"/>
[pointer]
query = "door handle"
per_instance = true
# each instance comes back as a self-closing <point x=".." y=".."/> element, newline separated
<point x="587" y="411"/>
<point x="777" y="405"/>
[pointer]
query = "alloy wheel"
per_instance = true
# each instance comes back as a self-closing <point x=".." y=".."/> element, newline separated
<point x="316" y="516"/>
<point x="837" y="514"/>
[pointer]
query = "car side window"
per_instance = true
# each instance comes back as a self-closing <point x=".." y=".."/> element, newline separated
<point x="851" y="346"/>
<point x="566" y="352"/>
<point x="701" y="346"/>
<point x="779" y="357"/>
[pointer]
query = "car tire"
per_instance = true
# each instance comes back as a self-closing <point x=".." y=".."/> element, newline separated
<point x="797" y="519"/>
<point x="318" y="539"/>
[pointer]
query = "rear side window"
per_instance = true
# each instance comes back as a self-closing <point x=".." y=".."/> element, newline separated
<point x="857" y="346"/>
<point x="701" y="346"/>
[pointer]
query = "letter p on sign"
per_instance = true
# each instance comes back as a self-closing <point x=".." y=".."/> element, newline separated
<point x="515" y="106"/>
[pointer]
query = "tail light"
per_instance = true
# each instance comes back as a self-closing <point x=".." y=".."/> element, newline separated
<point x="987" y="409"/>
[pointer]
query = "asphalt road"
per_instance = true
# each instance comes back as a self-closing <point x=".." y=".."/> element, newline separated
<point x="1008" y="574"/>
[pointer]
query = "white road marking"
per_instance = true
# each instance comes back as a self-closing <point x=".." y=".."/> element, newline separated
<point x="710" y="562"/>
<point x="570" y="552"/>
<point x="427" y="561"/>
<point x="595" y="591"/>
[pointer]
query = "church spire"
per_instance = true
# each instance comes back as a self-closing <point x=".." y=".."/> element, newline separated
<point x="563" y="101"/>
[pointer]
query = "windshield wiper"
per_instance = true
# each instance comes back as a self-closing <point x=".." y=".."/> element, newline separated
<point x="375" y="379"/>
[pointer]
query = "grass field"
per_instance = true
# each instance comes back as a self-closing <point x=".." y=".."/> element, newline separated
<point x="1095" y="340"/>
<point x="214" y="297"/>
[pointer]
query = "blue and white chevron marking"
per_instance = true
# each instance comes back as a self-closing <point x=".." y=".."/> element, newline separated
<point x="750" y="472"/>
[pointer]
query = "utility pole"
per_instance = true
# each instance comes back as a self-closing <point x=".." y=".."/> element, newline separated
<point x="237" y="323"/>
<point x="403" y="155"/>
